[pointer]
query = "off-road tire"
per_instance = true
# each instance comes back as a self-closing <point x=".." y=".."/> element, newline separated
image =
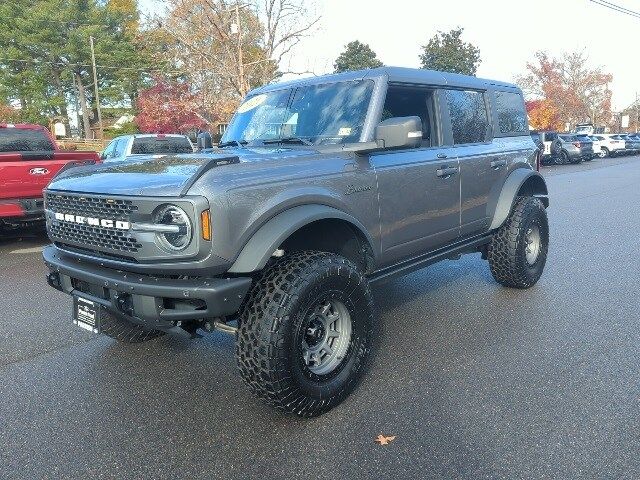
<point x="507" y="250"/>
<point x="125" y="331"/>
<point x="272" y="317"/>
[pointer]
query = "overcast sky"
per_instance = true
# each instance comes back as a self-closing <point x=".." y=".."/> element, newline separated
<point x="508" y="33"/>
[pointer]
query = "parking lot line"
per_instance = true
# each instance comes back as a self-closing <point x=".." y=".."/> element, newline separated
<point x="27" y="250"/>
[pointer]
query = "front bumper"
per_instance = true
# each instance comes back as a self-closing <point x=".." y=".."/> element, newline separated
<point x="22" y="208"/>
<point x="156" y="302"/>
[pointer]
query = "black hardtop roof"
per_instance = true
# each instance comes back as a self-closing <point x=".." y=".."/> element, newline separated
<point x="396" y="74"/>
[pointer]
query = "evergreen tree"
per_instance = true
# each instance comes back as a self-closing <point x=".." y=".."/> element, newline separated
<point x="356" y="56"/>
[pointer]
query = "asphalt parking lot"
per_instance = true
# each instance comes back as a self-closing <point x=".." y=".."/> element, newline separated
<point x="474" y="380"/>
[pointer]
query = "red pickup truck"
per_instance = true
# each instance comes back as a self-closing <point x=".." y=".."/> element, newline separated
<point x="29" y="159"/>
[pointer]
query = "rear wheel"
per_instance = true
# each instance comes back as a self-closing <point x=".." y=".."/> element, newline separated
<point x="562" y="158"/>
<point x="604" y="152"/>
<point x="518" y="251"/>
<point x="306" y="332"/>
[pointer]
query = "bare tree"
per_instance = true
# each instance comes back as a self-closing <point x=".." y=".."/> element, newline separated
<point x="227" y="47"/>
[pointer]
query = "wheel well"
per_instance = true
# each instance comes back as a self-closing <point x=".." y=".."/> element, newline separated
<point x="534" y="186"/>
<point x="335" y="236"/>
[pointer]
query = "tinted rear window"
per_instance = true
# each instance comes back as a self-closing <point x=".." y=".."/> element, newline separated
<point x="567" y="138"/>
<point x="512" y="117"/>
<point x="469" y="119"/>
<point x="24" y="140"/>
<point x="158" y="145"/>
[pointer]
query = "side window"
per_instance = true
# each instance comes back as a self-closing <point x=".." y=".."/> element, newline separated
<point x="108" y="152"/>
<point x="469" y="119"/>
<point x="409" y="102"/>
<point x="512" y="117"/>
<point x="119" y="148"/>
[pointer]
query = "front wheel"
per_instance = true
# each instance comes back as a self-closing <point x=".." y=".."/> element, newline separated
<point x="518" y="251"/>
<point x="604" y="153"/>
<point x="306" y="332"/>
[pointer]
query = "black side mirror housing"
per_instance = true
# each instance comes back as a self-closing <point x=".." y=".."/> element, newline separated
<point x="399" y="132"/>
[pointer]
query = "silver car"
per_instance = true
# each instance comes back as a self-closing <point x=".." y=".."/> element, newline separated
<point x="125" y="146"/>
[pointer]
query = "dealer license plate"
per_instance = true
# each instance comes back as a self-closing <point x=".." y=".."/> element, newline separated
<point x="86" y="314"/>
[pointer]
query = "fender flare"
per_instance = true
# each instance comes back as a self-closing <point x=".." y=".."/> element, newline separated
<point x="509" y="192"/>
<point x="257" y="251"/>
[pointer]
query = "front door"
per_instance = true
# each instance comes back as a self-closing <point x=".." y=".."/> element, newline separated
<point x="419" y="188"/>
<point x="419" y="195"/>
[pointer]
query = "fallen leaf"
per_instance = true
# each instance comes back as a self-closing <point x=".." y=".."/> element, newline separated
<point x="384" y="440"/>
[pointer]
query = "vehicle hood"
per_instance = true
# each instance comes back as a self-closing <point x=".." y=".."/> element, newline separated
<point x="169" y="176"/>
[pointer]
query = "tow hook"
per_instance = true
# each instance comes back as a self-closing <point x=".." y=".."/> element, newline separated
<point x="53" y="279"/>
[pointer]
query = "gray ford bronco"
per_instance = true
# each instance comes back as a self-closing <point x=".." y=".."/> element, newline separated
<point x="319" y="188"/>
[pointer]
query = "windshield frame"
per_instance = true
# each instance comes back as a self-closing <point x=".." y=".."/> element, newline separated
<point x="368" y="125"/>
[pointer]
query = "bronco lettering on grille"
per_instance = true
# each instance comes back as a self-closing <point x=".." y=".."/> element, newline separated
<point x="96" y="222"/>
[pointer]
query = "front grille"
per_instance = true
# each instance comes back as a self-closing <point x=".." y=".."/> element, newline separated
<point x="91" y="236"/>
<point x="91" y="206"/>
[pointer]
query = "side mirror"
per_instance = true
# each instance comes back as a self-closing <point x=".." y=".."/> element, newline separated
<point x="399" y="132"/>
<point x="103" y="155"/>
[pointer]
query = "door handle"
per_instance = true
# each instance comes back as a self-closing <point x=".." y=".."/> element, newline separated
<point x="446" y="172"/>
<point x="441" y="155"/>
<point x="496" y="164"/>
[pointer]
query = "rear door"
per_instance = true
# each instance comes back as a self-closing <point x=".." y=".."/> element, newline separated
<point x="418" y="188"/>
<point x="483" y="163"/>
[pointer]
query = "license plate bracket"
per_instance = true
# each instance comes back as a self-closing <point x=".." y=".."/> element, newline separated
<point x="86" y="314"/>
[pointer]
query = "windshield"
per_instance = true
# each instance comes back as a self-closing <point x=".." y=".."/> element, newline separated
<point x="158" y="145"/>
<point x="318" y="114"/>
<point x="24" y="140"/>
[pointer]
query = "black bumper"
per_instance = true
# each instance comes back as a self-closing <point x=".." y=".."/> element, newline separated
<point x="157" y="302"/>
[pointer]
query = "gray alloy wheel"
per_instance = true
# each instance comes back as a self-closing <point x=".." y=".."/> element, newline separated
<point x="533" y="243"/>
<point x="327" y="337"/>
<point x="604" y="152"/>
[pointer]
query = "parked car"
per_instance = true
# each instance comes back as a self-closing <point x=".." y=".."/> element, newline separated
<point x="125" y="146"/>
<point x="597" y="146"/>
<point x="322" y="187"/>
<point x="632" y="142"/>
<point x="586" y="144"/>
<point x="29" y="159"/>
<point x="611" y="145"/>
<point x="548" y="146"/>
<point x="572" y="150"/>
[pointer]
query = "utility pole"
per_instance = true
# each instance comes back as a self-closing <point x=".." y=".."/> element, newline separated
<point x="95" y="88"/>
<point x="637" y="112"/>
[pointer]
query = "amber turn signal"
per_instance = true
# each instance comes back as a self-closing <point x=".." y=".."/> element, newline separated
<point x="205" y="222"/>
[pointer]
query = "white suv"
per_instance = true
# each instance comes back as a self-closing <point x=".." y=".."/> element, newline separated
<point x="610" y="145"/>
<point x="120" y="148"/>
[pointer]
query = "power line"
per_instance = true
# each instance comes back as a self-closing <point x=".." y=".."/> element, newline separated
<point x="619" y="7"/>
<point x="69" y="64"/>
<point x="616" y="8"/>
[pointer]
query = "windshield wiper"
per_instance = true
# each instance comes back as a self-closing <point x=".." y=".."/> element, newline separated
<point x="230" y="143"/>
<point x="300" y="140"/>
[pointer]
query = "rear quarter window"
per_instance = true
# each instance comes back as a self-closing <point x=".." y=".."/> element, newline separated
<point x="512" y="116"/>
<point x="160" y="145"/>
<point x="24" y="140"/>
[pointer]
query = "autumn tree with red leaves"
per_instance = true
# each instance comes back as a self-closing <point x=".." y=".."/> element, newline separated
<point x="572" y="92"/>
<point x="543" y="115"/>
<point x="168" y="107"/>
<point x="9" y="114"/>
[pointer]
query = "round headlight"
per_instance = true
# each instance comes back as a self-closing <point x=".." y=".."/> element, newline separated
<point x="177" y="234"/>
